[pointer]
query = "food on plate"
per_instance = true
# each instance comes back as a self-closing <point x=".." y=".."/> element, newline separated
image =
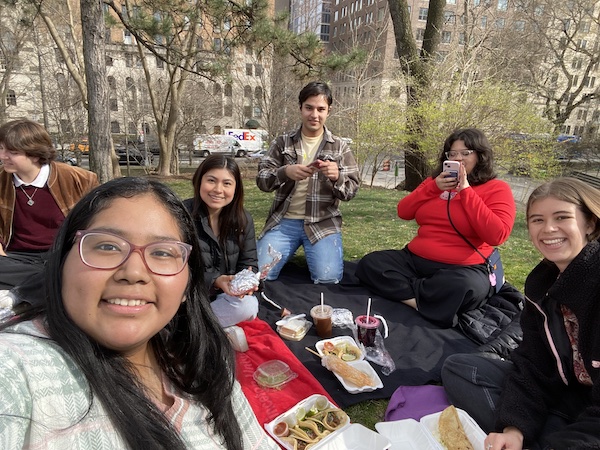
<point x="452" y="433"/>
<point x="331" y="418"/>
<point x="310" y="426"/>
<point x="346" y="371"/>
<point x="342" y="350"/>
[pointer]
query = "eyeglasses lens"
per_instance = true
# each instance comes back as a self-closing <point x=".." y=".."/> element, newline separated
<point x="106" y="251"/>
<point x="455" y="153"/>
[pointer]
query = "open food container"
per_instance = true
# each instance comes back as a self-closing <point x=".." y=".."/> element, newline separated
<point x="409" y="434"/>
<point x="314" y="420"/>
<point x="344" y="347"/>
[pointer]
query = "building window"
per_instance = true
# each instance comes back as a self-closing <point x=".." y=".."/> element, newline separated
<point x="500" y="22"/>
<point x="160" y="64"/>
<point x="228" y="110"/>
<point x="128" y="60"/>
<point x="423" y="13"/>
<point x="446" y="37"/>
<point x="11" y="98"/>
<point x="115" y="127"/>
<point x="483" y="22"/>
<point x="502" y="5"/>
<point x="127" y="37"/>
<point x="519" y="25"/>
<point x="380" y="14"/>
<point x="449" y="17"/>
<point x="258" y="70"/>
<point x="247" y="92"/>
<point x="461" y="38"/>
<point x="450" y="2"/>
<point x="248" y="112"/>
<point x="109" y="61"/>
<point x="114" y="105"/>
<point x="217" y="44"/>
<point x="249" y="70"/>
<point x="228" y="91"/>
<point x="420" y="34"/>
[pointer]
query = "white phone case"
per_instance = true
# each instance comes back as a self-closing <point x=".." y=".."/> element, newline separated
<point x="453" y="167"/>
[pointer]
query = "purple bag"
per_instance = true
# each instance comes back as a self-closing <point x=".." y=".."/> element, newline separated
<point x="414" y="402"/>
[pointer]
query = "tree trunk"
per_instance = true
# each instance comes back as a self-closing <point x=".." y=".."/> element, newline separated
<point x="415" y="70"/>
<point x="94" y="53"/>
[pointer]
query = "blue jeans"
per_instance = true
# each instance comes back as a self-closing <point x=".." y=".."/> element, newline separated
<point x="325" y="259"/>
<point x="232" y="310"/>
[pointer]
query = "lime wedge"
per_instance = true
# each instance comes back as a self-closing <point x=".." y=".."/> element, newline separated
<point x="300" y="413"/>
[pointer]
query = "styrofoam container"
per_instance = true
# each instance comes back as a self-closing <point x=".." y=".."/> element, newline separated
<point x="475" y="434"/>
<point x="339" y="340"/>
<point x="407" y="434"/>
<point x="290" y="417"/>
<point x="357" y="437"/>
<point x="365" y="367"/>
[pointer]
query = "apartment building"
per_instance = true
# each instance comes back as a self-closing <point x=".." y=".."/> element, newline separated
<point x="40" y="85"/>
<point x="502" y="26"/>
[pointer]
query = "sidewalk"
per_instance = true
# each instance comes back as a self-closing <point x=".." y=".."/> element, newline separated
<point x="521" y="187"/>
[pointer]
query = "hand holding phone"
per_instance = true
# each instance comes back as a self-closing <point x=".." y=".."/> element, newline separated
<point x="452" y="167"/>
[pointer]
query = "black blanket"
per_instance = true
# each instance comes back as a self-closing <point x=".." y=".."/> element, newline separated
<point x="417" y="346"/>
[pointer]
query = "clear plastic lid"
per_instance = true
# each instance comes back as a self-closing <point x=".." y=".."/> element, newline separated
<point x="274" y="374"/>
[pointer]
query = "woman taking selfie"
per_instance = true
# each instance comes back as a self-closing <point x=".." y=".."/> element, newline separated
<point x="227" y="237"/>
<point x="126" y="352"/>
<point x="462" y="215"/>
<point x="548" y="395"/>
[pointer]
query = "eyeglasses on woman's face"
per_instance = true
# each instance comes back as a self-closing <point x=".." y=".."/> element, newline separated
<point x="453" y="154"/>
<point x="103" y="250"/>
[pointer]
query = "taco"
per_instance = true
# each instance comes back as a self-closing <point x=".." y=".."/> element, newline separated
<point x="297" y="443"/>
<point x="332" y="418"/>
<point x="306" y="434"/>
<point x="316" y="427"/>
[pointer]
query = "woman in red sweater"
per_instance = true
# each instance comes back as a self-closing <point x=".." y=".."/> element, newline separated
<point x="439" y="273"/>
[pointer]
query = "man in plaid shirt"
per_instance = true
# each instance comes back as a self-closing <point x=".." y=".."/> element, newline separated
<point x="311" y="170"/>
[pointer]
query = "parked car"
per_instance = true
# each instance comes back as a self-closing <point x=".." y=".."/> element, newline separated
<point x="257" y="155"/>
<point x="208" y="144"/>
<point x="135" y="156"/>
<point x="67" y="157"/>
<point x="83" y="146"/>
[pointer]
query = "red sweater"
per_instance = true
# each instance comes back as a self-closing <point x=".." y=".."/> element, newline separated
<point x="484" y="214"/>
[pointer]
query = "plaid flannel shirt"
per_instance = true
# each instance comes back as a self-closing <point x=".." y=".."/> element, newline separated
<point x="322" y="213"/>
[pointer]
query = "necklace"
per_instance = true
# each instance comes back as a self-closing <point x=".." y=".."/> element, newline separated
<point x="30" y="202"/>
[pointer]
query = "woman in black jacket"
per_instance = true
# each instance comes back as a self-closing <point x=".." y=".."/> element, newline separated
<point x="548" y="395"/>
<point x="227" y="237"/>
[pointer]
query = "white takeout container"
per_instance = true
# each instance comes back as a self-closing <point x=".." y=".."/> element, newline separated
<point x="365" y="367"/>
<point x="424" y="435"/>
<point x="339" y="340"/>
<point x="357" y="437"/>
<point x="289" y="417"/>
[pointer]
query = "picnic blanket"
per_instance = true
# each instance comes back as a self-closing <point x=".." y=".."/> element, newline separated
<point x="265" y="345"/>
<point x="417" y="346"/>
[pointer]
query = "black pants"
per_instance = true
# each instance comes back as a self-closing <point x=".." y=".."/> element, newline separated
<point x="442" y="291"/>
<point x="16" y="267"/>
<point x="474" y="383"/>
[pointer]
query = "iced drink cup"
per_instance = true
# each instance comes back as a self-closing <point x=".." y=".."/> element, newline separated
<point x="367" y="329"/>
<point x="321" y="315"/>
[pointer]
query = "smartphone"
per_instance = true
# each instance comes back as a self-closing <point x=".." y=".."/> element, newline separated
<point x="452" y="167"/>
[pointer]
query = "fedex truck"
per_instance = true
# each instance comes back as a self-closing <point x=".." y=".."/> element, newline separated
<point x="251" y="141"/>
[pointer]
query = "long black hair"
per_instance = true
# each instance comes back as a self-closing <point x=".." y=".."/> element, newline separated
<point x="474" y="139"/>
<point x="232" y="219"/>
<point x="192" y="350"/>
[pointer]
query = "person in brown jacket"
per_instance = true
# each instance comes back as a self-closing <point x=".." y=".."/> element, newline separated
<point x="36" y="193"/>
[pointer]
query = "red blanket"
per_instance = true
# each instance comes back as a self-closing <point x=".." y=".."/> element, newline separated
<point x="264" y="344"/>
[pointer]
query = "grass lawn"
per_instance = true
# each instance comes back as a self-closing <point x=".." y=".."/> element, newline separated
<point x="371" y="223"/>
